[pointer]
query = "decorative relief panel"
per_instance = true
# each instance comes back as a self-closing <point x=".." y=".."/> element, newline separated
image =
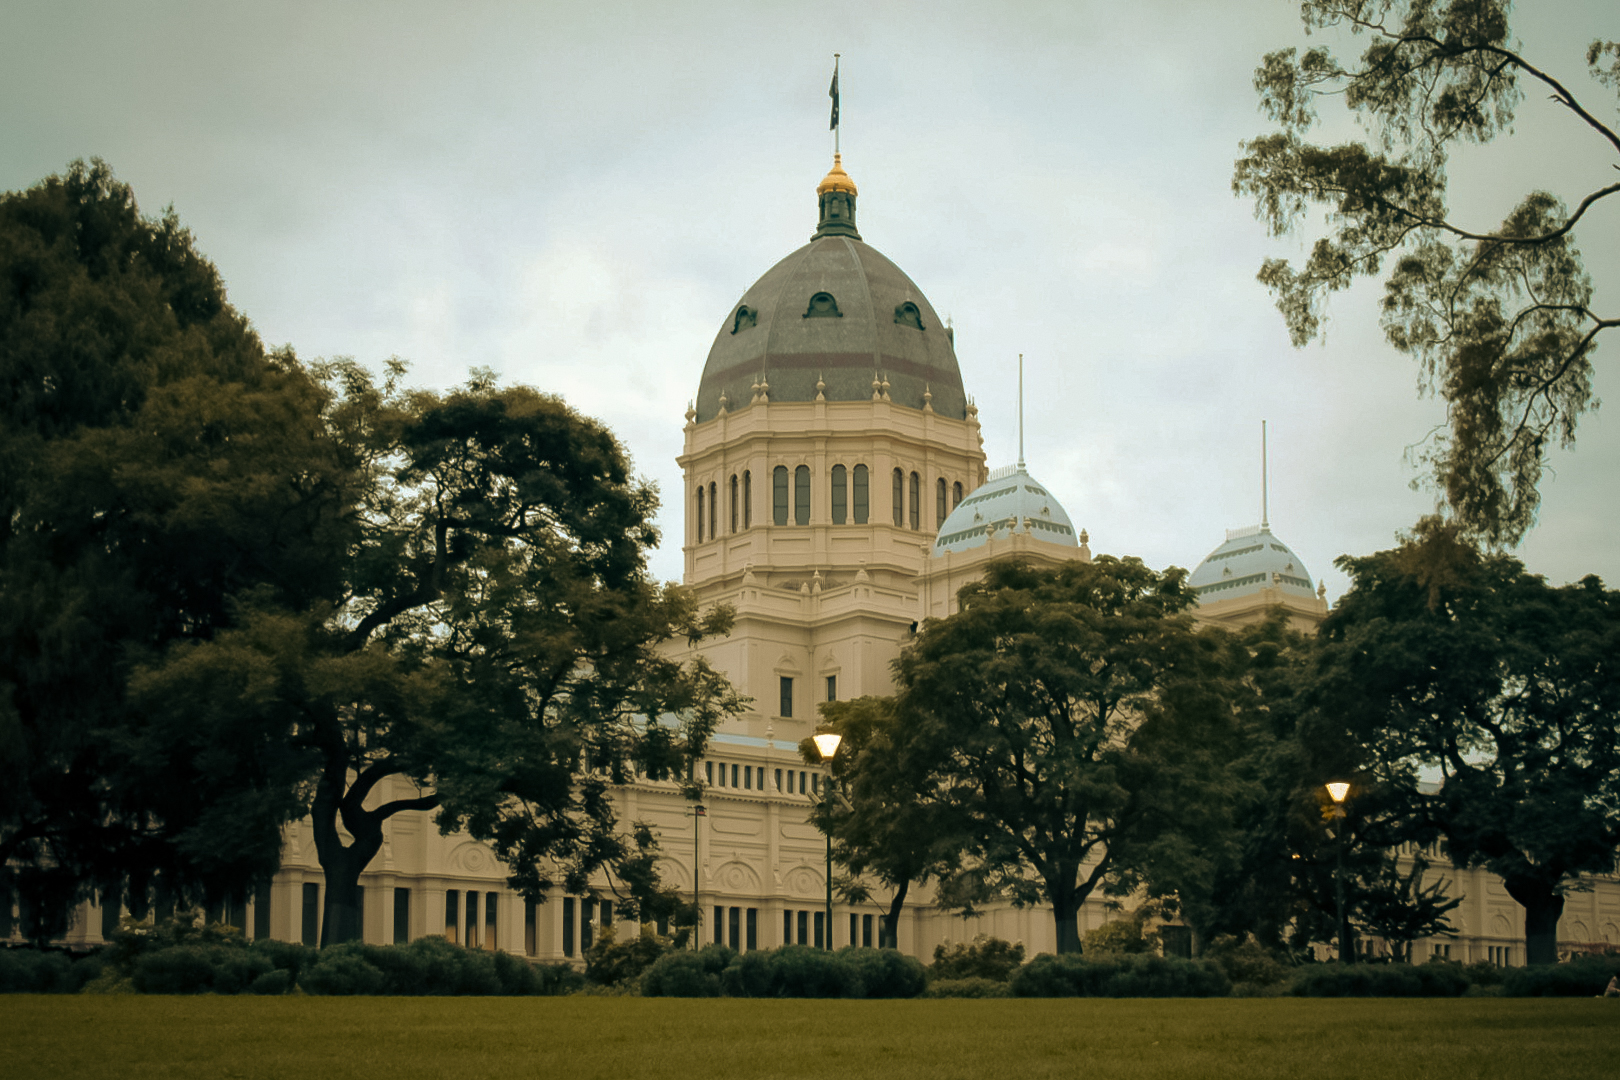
<point x="734" y="826"/>
<point x="803" y="881"/>
<point x="674" y="874"/>
<point x="738" y="877"/>
<point x="474" y="858"/>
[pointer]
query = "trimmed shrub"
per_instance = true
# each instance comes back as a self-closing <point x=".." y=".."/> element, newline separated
<point x="609" y="962"/>
<point x="1119" y="976"/>
<point x="808" y="972"/>
<point x="1247" y="961"/>
<point x="982" y="958"/>
<point x="344" y="971"/>
<point x="553" y="980"/>
<point x="285" y="955"/>
<point x="197" y="969"/>
<point x="680" y="974"/>
<point x="966" y="988"/>
<point x="1380" y="980"/>
<point x="884" y="973"/>
<point x="32" y="971"/>
<point x="276" y="981"/>
<point x="436" y="967"/>
<point x="1585" y="977"/>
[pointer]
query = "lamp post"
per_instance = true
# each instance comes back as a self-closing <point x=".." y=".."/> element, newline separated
<point x="1337" y="792"/>
<point x="699" y="812"/>
<point x="827" y="746"/>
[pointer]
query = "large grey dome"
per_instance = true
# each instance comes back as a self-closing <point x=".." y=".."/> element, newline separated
<point x="837" y="311"/>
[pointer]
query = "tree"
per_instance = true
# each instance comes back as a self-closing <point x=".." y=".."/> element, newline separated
<point x="1071" y="718"/>
<point x="495" y="655"/>
<point x="1444" y="658"/>
<point x="884" y="820"/>
<point x="1400" y="908"/>
<point x="1501" y="321"/>
<point x="158" y="470"/>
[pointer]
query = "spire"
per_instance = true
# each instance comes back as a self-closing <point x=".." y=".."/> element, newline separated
<point x="1020" y="410"/>
<point x="1265" y="482"/>
<point x="836" y="194"/>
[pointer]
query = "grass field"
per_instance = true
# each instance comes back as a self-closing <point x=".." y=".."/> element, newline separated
<point x="304" y="1038"/>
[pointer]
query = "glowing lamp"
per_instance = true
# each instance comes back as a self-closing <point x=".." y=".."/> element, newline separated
<point x="827" y="744"/>
<point x="1338" y="790"/>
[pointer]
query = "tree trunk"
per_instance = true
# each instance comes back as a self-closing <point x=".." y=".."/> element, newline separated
<point x="1542" y="909"/>
<point x="340" y="915"/>
<point x="889" y="933"/>
<point x="1066" y="901"/>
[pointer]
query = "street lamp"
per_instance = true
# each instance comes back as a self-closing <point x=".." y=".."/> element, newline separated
<point x="1337" y="792"/>
<point x="827" y="746"/>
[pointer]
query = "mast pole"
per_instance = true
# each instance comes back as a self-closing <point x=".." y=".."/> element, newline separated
<point x="1020" y="410"/>
<point x="1265" y="481"/>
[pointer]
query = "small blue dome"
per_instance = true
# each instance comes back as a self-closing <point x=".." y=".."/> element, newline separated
<point x="1247" y="563"/>
<point x="1010" y="500"/>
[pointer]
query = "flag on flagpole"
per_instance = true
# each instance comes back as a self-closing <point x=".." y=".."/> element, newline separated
<point x="832" y="92"/>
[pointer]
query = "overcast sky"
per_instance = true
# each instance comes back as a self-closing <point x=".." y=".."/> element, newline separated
<point x="577" y="195"/>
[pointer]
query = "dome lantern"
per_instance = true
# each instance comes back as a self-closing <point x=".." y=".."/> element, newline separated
<point x="836" y="194"/>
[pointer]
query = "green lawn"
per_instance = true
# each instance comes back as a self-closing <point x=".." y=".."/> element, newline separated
<point x="301" y="1038"/>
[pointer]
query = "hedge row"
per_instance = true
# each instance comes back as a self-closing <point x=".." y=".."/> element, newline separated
<point x="797" y="971"/>
<point x="1119" y="976"/>
<point x="428" y="966"/>
<point x="433" y="966"/>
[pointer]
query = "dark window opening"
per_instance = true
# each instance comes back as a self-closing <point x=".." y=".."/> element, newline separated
<point x="402" y="916"/>
<point x="899" y="498"/>
<point x="748" y="499"/>
<point x="823" y="306"/>
<point x="916" y="496"/>
<point x="939" y="503"/>
<point x="801" y="495"/>
<point x="312" y="913"/>
<point x="787" y="696"/>
<point x="832" y="688"/>
<point x="779" y="495"/>
<point x="840" y="494"/>
<point x="733" y="502"/>
<point x="862" y="502"/>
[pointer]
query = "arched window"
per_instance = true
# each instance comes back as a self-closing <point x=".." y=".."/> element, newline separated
<point x="939" y="503"/>
<point x="840" y="494"/>
<point x="862" y="502"/>
<point x="916" y="497"/>
<point x="700" y="513"/>
<point x="899" y="498"/>
<point x="801" y="495"/>
<point x="779" y="495"/>
<point x="748" y="499"/>
<point x="956" y="495"/>
<point x="733" y="502"/>
<point x="714" y="510"/>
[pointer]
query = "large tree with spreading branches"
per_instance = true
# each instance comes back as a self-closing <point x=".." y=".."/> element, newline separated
<point x="1502" y="318"/>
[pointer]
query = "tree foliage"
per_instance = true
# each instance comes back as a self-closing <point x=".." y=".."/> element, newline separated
<point x="159" y="470"/>
<point x="1071" y="717"/>
<point x="886" y="820"/>
<point x="1501" y="320"/>
<point x="494" y="656"/>
<point x="1444" y="658"/>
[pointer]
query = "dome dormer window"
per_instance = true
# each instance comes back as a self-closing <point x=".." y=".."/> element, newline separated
<point x="745" y="317"/>
<point x="823" y="306"/>
<point x="908" y="314"/>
